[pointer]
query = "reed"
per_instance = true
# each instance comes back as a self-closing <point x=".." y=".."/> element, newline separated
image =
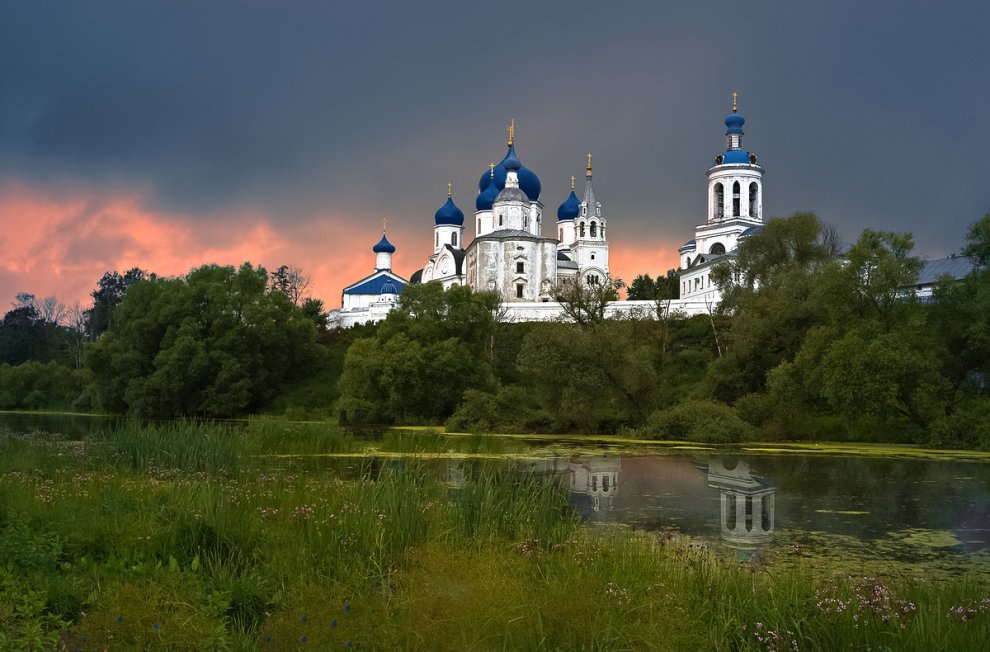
<point x="198" y="536"/>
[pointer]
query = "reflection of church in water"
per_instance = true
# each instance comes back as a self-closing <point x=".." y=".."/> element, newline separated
<point x="746" y="505"/>
<point x="661" y="493"/>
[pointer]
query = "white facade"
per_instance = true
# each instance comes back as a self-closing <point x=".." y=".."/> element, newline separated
<point x="374" y="296"/>
<point x="735" y="211"/>
<point x="509" y="254"/>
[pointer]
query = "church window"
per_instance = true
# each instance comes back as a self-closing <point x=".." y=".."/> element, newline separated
<point x="453" y="238"/>
<point x="519" y="291"/>
<point x="605" y="483"/>
<point x="500" y="219"/>
<point x="730" y="512"/>
<point x="520" y="268"/>
<point x="765" y="512"/>
<point x="735" y="199"/>
<point x="479" y="225"/>
<point x="561" y="238"/>
<point x="437" y="241"/>
<point x="594" y="483"/>
<point x="752" y="200"/>
<point x="581" y="230"/>
<point x="718" y="249"/>
<point x="594" y="230"/>
<point x="719" y="201"/>
<point x="592" y="255"/>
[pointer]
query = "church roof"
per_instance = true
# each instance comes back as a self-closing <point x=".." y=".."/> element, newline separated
<point x="750" y="231"/>
<point x="417" y="277"/>
<point x="458" y="255"/>
<point x="384" y="246"/>
<point x="509" y="234"/>
<point x="956" y="267"/>
<point x="377" y="283"/>
<point x="690" y="244"/>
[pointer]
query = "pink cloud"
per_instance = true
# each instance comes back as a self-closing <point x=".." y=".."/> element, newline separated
<point x="59" y="241"/>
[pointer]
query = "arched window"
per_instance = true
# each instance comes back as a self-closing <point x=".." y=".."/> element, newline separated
<point x="561" y="235"/>
<point x="500" y="219"/>
<point x="479" y="225"/>
<point x="581" y="230"/>
<point x="594" y="230"/>
<point x="718" y="249"/>
<point x="605" y="483"/>
<point x="730" y="512"/>
<point x="752" y="200"/>
<point x="719" y="201"/>
<point x="453" y="238"/>
<point x="735" y="199"/>
<point x="519" y="291"/>
<point x="437" y="244"/>
<point x="594" y="483"/>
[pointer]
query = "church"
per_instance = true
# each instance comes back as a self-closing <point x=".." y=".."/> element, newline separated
<point x="509" y="253"/>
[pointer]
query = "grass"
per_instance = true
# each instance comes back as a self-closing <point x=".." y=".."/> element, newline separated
<point x="201" y="536"/>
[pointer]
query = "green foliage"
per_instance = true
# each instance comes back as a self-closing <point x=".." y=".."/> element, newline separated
<point x="978" y="241"/>
<point x="214" y="343"/>
<point x="968" y="427"/>
<point x="589" y="379"/>
<point x="697" y="420"/>
<point x="40" y="386"/>
<point x="435" y="345"/>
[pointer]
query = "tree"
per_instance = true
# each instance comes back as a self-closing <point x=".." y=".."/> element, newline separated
<point x="586" y="303"/>
<point x="978" y="241"/>
<point x="214" y="343"/>
<point x="432" y="347"/>
<point x="107" y="296"/>
<point x="642" y="288"/>
<point x="290" y="281"/>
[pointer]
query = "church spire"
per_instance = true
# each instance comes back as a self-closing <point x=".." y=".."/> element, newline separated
<point x="589" y="192"/>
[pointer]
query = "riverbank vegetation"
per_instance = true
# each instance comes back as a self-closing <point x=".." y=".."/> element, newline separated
<point x="810" y="344"/>
<point x="200" y="536"/>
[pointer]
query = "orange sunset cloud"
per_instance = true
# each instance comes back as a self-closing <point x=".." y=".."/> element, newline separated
<point x="60" y="242"/>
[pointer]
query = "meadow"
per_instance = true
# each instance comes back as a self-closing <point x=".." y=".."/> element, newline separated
<point x="210" y="536"/>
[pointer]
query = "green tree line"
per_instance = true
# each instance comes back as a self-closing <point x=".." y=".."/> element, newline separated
<point x="811" y="342"/>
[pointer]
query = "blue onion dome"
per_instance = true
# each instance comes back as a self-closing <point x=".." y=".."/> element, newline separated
<point x="487" y="196"/>
<point x="384" y="246"/>
<point x="529" y="183"/>
<point x="734" y="124"/>
<point x="511" y="161"/>
<point x="734" y="156"/>
<point x="570" y="209"/>
<point x="449" y="214"/>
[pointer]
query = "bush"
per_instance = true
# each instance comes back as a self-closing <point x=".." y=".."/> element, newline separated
<point x="697" y="420"/>
<point x="510" y="410"/>
<point x="968" y="427"/>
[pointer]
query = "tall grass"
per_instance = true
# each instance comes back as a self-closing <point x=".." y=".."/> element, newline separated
<point x="195" y="537"/>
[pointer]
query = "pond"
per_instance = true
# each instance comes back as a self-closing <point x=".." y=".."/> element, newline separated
<point x="895" y="505"/>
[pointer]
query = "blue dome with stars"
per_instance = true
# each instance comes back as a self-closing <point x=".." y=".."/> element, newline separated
<point x="570" y="209"/>
<point x="529" y="183"/>
<point x="384" y="246"/>
<point x="449" y="214"/>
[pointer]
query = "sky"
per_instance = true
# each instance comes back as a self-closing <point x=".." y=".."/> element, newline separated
<point x="166" y="135"/>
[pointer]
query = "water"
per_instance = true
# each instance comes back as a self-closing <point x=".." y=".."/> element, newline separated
<point x="912" y="512"/>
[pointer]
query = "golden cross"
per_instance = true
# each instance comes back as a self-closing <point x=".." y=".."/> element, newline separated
<point x="589" y="161"/>
<point x="734" y="102"/>
<point x="572" y="182"/>
<point x="449" y="186"/>
<point x="512" y="130"/>
<point x="384" y="224"/>
<point x="492" y="166"/>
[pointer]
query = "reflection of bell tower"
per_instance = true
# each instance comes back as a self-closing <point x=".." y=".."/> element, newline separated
<point x="747" y="505"/>
<point x="595" y="483"/>
<point x="456" y="476"/>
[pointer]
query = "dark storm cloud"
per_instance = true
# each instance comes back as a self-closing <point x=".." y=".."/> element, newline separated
<point x="870" y="113"/>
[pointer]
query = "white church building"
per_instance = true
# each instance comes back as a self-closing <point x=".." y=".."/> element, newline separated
<point x="510" y="254"/>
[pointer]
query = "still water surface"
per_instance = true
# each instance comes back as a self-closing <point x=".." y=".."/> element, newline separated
<point x="915" y="513"/>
